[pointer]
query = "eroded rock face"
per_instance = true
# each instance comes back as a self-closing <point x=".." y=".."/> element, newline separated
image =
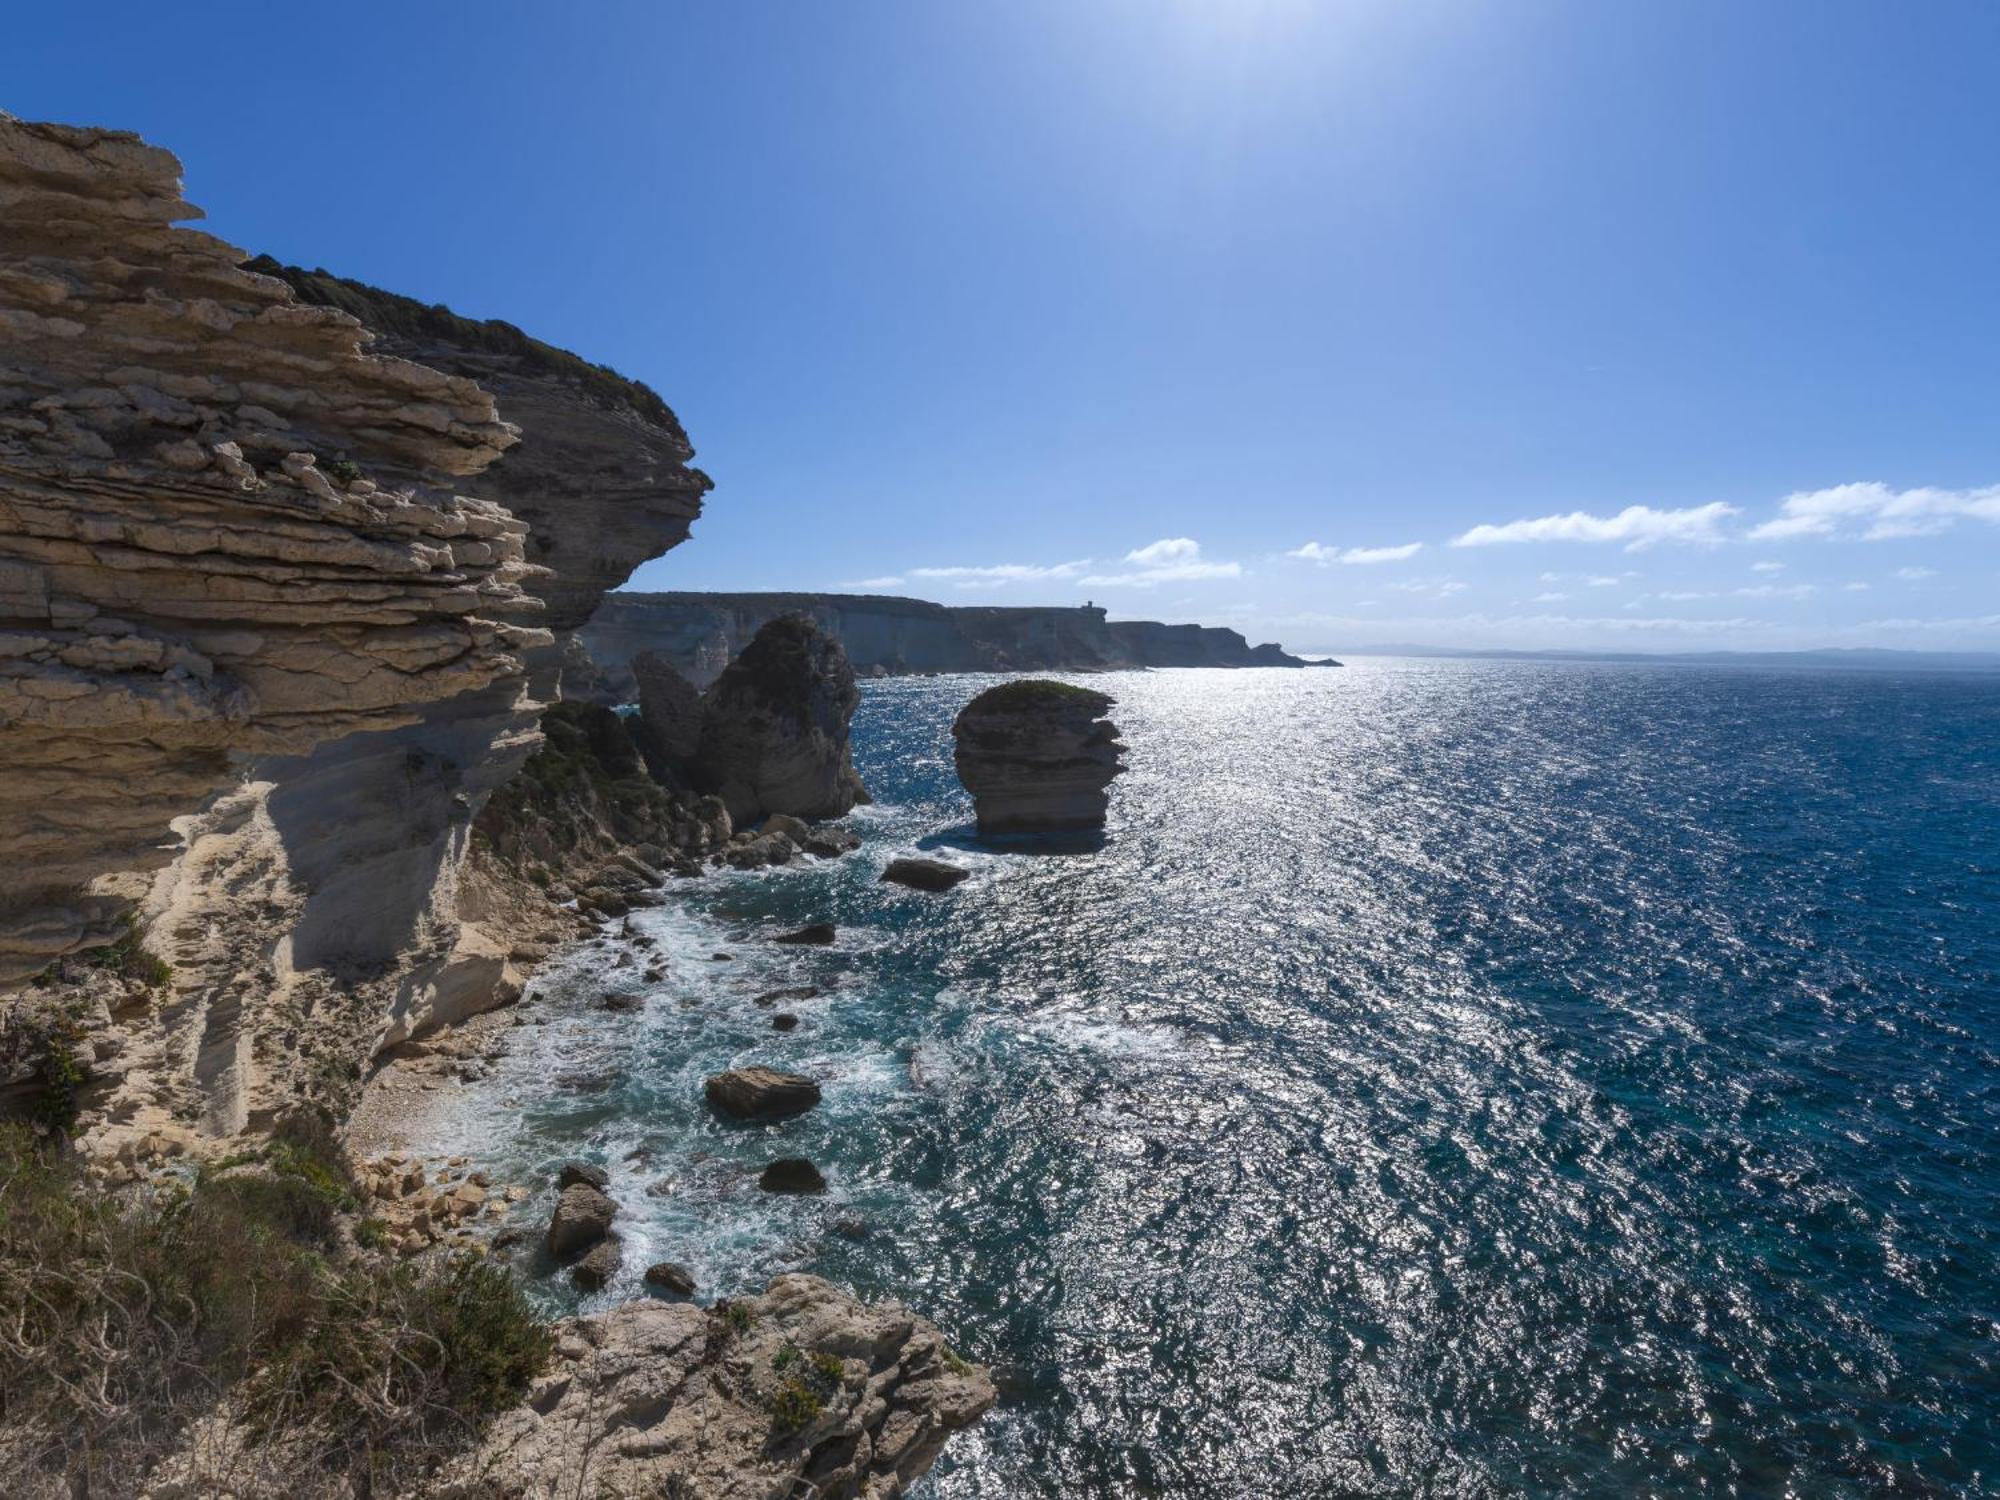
<point x="660" y="1397"/>
<point x="226" y="528"/>
<point x="1037" y="757"/>
<point x="263" y="658"/>
<point x="774" y="727"/>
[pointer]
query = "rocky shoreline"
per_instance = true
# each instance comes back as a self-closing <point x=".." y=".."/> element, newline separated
<point x="298" y="792"/>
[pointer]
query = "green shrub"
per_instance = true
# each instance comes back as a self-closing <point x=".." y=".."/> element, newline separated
<point x="62" y="1078"/>
<point x="1024" y="694"/>
<point x="794" y="1405"/>
<point x="829" y="1367"/>
<point x="739" y="1316"/>
<point x="342" y="470"/>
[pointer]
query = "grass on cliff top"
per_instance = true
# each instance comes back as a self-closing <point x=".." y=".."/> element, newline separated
<point x="387" y="312"/>
<point x="125" y="1321"/>
<point x="1028" y="694"/>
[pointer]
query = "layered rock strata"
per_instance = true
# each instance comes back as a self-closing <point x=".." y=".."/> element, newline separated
<point x="227" y="530"/>
<point x="700" y="634"/>
<point x="1037" y="757"/>
<point x="273" y="627"/>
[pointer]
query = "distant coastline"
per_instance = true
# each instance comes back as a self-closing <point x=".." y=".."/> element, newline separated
<point x="890" y="636"/>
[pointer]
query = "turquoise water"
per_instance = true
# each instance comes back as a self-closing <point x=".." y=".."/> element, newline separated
<point x="1448" y="1078"/>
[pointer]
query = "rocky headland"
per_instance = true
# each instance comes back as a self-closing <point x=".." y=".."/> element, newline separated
<point x="1037" y="757"/>
<point x="294" y="785"/>
<point x="700" y="634"/>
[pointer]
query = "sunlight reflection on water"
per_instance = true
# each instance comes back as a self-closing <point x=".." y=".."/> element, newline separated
<point x="1448" y="1078"/>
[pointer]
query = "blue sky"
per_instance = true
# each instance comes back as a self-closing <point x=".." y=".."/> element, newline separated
<point x="1582" y="324"/>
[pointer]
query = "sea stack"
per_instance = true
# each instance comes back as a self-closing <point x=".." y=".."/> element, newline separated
<point x="774" y="727"/>
<point x="1037" y="757"/>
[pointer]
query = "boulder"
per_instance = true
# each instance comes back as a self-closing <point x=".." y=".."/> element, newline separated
<point x="760" y="1093"/>
<point x="583" y="1217"/>
<point x="621" y="1000"/>
<point x="830" y="843"/>
<point x="670" y="1277"/>
<point x="784" y="1021"/>
<point x="774" y="727"/>
<point x="924" y="874"/>
<point x="813" y="934"/>
<point x="1037" y="757"/>
<point x="760" y="850"/>
<point x="573" y="1172"/>
<point x="791" y="1174"/>
<point x="795" y="829"/>
<point x="599" y="1264"/>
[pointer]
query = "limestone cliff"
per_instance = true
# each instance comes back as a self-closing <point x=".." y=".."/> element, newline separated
<point x="699" y="634"/>
<point x="1037" y="757"/>
<point x="273" y="625"/>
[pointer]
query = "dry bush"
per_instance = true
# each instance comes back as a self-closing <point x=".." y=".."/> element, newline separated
<point x="233" y="1305"/>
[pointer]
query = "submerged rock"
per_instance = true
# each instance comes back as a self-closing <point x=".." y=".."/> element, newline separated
<point x="760" y="1093"/>
<point x="583" y="1217"/>
<point x="792" y="1174"/>
<point x="1037" y="757"/>
<point x="784" y="1021"/>
<point x="924" y="874"/>
<point x="813" y="934"/>
<point x="774" y="727"/>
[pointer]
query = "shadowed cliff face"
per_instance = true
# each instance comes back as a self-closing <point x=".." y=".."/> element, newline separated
<point x="699" y="634"/>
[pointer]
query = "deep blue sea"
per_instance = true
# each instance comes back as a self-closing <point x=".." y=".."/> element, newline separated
<point x="1447" y="1078"/>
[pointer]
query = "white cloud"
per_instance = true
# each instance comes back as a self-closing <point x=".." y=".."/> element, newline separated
<point x="1430" y="588"/>
<point x="1767" y="567"/>
<point x="1169" y="549"/>
<point x="1855" y="588"/>
<point x="999" y="575"/>
<point x="872" y="583"/>
<point x="1320" y="553"/>
<point x="1915" y="575"/>
<point x="1777" y="591"/>
<point x="1550" y="598"/>
<point x="1636" y="526"/>
<point x="1601" y="581"/>
<point x="1174" y="559"/>
<point x="1874" y="512"/>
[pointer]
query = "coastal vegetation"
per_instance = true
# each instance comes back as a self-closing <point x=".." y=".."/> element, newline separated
<point x="235" y="1301"/>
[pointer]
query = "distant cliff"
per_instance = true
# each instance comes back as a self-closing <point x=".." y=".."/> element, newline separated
<point x="889" y="636"/>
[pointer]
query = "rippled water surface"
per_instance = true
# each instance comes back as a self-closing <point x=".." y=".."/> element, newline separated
<point x="1447" y="1078"/>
